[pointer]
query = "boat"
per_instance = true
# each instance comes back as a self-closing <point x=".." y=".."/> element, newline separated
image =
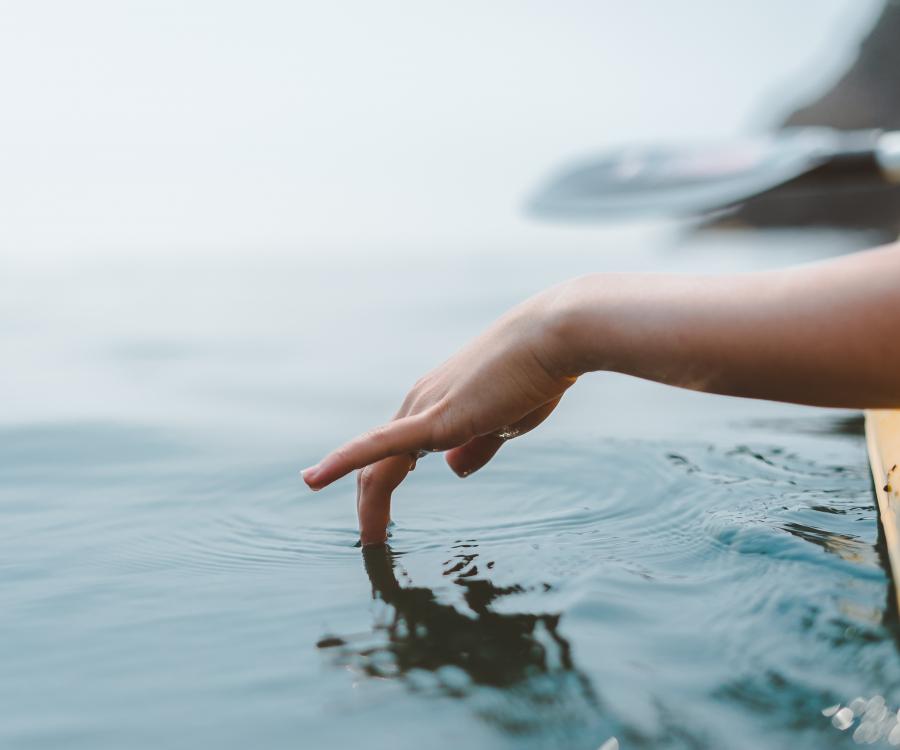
<point x="883" y="444"/>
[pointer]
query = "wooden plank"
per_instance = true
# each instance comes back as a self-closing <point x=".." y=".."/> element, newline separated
<point x="883" y="443"/>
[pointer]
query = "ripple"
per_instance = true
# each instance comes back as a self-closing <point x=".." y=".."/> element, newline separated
<point x="227" y="546"/>
<point x="753" y="568"/>
<point x="564" y="595"/>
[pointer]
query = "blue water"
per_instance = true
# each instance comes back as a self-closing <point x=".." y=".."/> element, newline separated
<point x="670" y="569"/>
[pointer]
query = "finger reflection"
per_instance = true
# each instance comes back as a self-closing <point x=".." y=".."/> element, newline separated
<point x="517" y="668"/>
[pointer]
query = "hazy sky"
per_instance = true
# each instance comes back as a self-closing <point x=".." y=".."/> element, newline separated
<point x="132" y="126"/>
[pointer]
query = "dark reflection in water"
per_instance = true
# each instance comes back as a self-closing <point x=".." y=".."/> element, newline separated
<point x="676" y="595"/>
<point x="846" y="546"/>
<point x="803" y="627"/>
<point x="464" y="650"/>
<point x="852" y="425"/>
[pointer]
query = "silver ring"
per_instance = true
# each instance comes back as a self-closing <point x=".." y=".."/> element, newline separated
<point x="507" y="433"/>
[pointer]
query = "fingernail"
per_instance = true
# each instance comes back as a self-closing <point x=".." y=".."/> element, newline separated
<point x="309" y="475"/>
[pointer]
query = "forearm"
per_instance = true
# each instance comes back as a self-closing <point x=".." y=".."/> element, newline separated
<point x="821" y="334"/>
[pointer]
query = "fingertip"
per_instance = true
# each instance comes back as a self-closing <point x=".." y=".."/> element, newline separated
<point x="323" y="473"/>
<point x="456" y="466"/>
<point x="372" y="540"/>
<point x="466" y="459"/>
<point x="310" y="477"/>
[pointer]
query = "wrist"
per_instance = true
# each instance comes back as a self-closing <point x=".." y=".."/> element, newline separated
<point x="581" y="324"/>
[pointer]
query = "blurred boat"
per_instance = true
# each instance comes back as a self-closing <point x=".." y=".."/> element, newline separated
<point x="697" y="179"/>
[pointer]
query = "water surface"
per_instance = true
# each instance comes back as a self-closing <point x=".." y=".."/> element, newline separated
<point x="677" y="595"/>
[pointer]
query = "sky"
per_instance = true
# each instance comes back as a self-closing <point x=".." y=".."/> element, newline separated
<point x="222" y="127"/>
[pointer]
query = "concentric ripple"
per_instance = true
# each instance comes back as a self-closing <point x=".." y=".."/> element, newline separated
<point x="670" y="596"/>
<point x="698" y="591"/>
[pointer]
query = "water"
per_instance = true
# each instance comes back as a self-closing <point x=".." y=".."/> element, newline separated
<point x="672" y="595"/>
<point x="670" y="569"/>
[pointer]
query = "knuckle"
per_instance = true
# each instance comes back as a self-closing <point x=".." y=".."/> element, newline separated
<point x="427" y="390"/>
<point x="367" y="478"/>
<point x="415" y="404"/>
<point x="408" y="402"/>
<point x="445" y="430"/>
<point x="423" y="383"/>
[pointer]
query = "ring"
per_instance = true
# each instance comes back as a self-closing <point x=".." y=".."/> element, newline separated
<point x="507" y="433"/>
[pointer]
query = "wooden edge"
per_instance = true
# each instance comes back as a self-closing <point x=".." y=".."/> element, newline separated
<point x="883" y="444"/>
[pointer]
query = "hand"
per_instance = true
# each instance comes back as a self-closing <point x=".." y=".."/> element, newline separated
<point x="501" y="385"/>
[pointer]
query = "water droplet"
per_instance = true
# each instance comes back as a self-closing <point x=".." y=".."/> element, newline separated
<point x="843" y="718"/>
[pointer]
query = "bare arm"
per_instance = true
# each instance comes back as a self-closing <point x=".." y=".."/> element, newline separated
<point x="819" y="334"/>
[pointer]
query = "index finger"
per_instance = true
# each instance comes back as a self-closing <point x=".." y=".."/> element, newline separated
<point x="403" y="435"/>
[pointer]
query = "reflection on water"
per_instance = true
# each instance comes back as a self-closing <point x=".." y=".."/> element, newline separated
<point x="673" y="594"/>
<point x="845" y="546"/>
<point x="840" y="426"/>
<point x="460" y="650"/>
<point x="876" y="721"/>
<point x="753" y="601"/>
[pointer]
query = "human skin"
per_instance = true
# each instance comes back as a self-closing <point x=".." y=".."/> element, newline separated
<point x="820" y="334"/>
